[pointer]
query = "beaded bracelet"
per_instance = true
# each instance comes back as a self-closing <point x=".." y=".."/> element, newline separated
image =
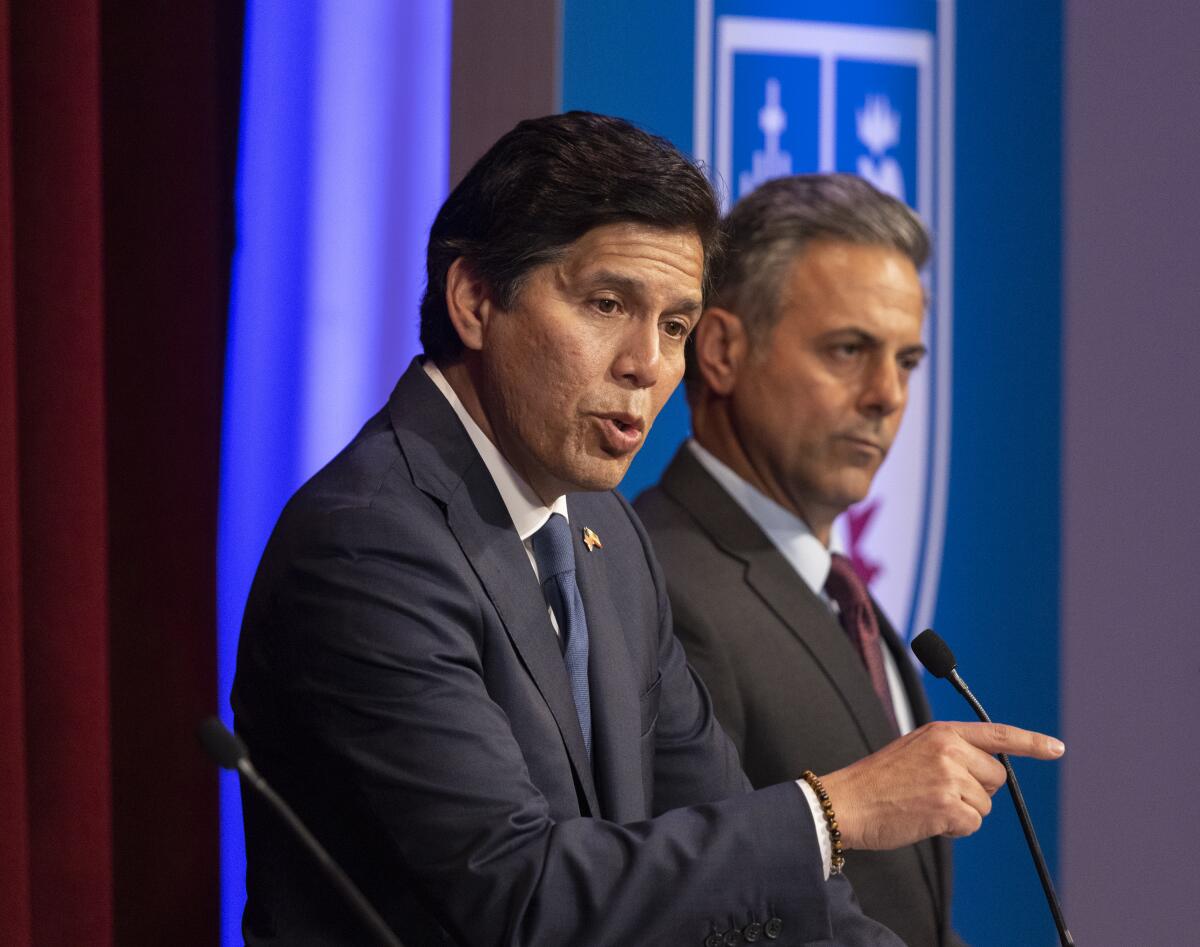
<point x="838" y="858"/>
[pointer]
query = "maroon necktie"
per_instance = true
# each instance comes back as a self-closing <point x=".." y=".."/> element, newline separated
<point x="858" y="619"/>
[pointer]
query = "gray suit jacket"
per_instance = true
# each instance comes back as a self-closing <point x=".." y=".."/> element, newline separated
<point x="786" y="682"/>
<point x="400" y="683"/>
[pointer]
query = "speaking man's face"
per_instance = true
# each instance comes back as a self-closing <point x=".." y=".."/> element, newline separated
<point x="575" y="372"/>
<point x="819" y="401"/>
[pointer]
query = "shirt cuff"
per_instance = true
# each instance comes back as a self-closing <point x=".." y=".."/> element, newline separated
<point x="823" y="840"/>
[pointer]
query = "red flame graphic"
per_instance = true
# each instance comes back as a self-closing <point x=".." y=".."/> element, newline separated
<point x="858" y="519"/>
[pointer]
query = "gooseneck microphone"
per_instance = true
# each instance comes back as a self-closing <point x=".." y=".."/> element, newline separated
<point x="229" y="752"/>
<point x="939" y="661"/>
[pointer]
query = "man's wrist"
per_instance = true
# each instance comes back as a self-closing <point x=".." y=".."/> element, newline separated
<point x="818" y="815"/>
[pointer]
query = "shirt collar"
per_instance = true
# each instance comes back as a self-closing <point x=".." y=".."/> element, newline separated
<point x="789" y="534"/>
<point x="527" y="511"/>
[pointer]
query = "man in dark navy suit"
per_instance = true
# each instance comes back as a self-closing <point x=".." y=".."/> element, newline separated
<point x="457" y="659"/>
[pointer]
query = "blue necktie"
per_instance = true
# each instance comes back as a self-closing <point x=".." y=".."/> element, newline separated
<point x="555" y="556"/>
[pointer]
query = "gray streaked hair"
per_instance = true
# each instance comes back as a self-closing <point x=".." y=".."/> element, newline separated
<point x="774" y="224"/>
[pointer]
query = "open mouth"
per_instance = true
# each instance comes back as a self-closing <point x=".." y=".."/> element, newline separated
<point x="622" y="433"/>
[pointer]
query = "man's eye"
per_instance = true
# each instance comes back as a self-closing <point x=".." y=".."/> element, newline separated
<point x="910" y="362"/>
<point x="607" y="306"/>
<point x="675" y="329"/>
<point x="847" y="349"/>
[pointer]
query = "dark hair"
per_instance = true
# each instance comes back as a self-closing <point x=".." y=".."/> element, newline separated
<point x="543" y="186"/>
<point x="774" y="224"/>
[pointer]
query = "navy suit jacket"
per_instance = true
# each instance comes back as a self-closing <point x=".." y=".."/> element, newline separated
<point x="785" y="680"/>
<point x="399" y="682"/>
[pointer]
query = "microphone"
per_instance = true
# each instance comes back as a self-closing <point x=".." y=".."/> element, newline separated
<point x="939" y="661"/>
<point x="229" y="752"/>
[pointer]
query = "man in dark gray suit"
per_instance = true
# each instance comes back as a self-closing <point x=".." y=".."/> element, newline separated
<point x="798" y="381"/>
<point x="457" y="659"/>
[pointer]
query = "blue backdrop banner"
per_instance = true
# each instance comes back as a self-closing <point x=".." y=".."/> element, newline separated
<point x="954" y="109"/>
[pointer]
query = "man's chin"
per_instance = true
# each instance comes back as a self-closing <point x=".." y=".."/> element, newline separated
<point x="597" y="476"/>
<point x="846" y="489"/>
<point x="852" y="496"/>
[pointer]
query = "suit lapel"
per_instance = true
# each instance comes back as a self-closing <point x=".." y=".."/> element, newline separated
<point x="772" y="578"/>
<point x="616" y="716"/>
<point x="446" y="465"/>
<point x="818" y="631"/>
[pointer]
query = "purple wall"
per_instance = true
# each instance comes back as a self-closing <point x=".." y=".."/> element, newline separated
<point x="1130" y="834"/>
<point x="504" y="67"/>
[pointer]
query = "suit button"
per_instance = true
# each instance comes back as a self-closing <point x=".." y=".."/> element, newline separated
<point x="773" y="928"/>
<point x="714" y="940"/>
<point x="752" y="932"/>
<point x="732" y="938"/>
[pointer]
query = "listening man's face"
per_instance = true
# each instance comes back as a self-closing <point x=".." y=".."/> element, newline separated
<point x="574" y="373"/>
<point x="820" y="399"/>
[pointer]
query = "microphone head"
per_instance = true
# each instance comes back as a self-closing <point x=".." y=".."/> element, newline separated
<point x="934" y="653"/>
<point x="225" y="747"/>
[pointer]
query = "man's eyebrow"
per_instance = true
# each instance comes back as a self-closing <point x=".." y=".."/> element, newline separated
<point x="685" y="305"/>
<point x="611" y="279"/>
<point x="862" y="335"/>
<point x="859" y="335"/>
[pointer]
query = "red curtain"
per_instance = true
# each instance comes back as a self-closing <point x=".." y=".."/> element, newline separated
<point x="14" y="833"/>
<point x="117" y="134"/>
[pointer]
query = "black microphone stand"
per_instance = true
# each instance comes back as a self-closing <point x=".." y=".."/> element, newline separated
<point x="229" y="752"/>
<point x="1035" y="849"/>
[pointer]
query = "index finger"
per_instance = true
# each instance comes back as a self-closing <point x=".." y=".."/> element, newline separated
<point x="1002" y="738"/>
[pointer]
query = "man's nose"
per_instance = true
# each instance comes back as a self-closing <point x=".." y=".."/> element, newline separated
<point x="640" y="356"/>
<point x="886" y="388"/>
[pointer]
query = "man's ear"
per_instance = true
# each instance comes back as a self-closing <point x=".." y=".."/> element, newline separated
<point x="469" y="304"/>
<point x="722" y="349"/>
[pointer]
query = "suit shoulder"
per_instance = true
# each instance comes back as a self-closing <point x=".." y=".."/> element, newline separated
<point x="364" y="497"/>
<point x="657" y="508"/>
<point x="679" y="540"/>
<point x="359" y="473"/>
